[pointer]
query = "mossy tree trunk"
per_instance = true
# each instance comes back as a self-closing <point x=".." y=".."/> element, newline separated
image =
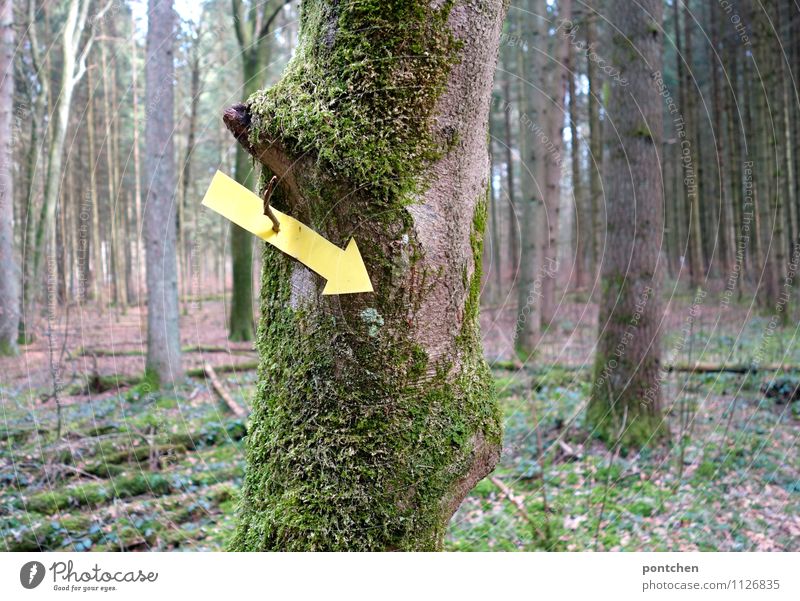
<point x="625" y="402"/>
<point x="374" y="415"/>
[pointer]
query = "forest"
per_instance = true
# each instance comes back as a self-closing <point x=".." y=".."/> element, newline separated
<point x="399" y="275"/>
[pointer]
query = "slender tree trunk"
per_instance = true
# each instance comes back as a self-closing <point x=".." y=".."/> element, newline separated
<point x="241" y="319"/>
<point x="252" y="33"/>
<point x="582" y="225"/>
<point x="595" y="139"/>
<point x="383" y="398"/>
<point x="734" y="147"/>
<point x="751" y="158"/>
<point x="693" y="168"/>
<point x="785" y="134"/>
<point x="513" y="222"/>
<point x="163" y="364"/>
<point x="769" y="207"/>
<point x="117" y="274"/>
<point x="533" y="230"/>
<point x="507" y="54"/>
<point x="137" y="177"/>
<point x="96" y="243"/>
<point x="554" y="160"/>
<point x="194" y="91"/>
<point x="625" y="401"/>
<point x="497" y="255"/>
<point x="9" y="271"/>
<point x="722" y="205"/>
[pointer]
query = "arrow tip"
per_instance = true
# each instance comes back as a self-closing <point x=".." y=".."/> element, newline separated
<point x="351" y="273"/>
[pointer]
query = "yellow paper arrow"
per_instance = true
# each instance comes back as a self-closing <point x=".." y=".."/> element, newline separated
<point x="344" y="269"/>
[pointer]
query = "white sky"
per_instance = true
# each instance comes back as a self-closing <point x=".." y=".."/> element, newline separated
<point x="187" y="9"/>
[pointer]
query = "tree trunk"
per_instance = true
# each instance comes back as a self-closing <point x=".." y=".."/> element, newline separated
<point x="163" y="366"/>
<point x="137" y="178"/>
<point x="252" y="35"/>
<point x="374" y="416"/>
<point x="582" y="225"/>
<point x="625" y="401"/>
<point x="532" y="228"/>
<point x="513" y="221"/>
<point x="690" y="153"/>
<point x="554" y="161"/>
<point x="9" y="272"/>
<point x="721" y="204"/>
<point x="97" y="275"/>
<point x="595" y="140"/>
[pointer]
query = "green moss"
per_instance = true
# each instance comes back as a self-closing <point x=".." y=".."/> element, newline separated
<point x="150" y="383"/>
<point x="642" y="131"/>
<point x="7" y="349"/>
<point x="357" y="440"/>
<point x="360" y="91"/>
<point x="606" y="418"/>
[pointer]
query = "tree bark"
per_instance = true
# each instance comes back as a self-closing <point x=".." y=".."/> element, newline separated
<point x="163" y="364"/>
<point x="625" y="401"/>
<point x="137" y="177"/>
<point x="691" y="153"/>
<point x="532" y="177"/>
<point x="374" y="416"/>
<point x="595" y="139"/>
<point x="721" y="204"/>
<point x="557" y="77"/>
<point x="582" y="215"/>
<point x="513" y="221"/>
<point x="9" y="272"/>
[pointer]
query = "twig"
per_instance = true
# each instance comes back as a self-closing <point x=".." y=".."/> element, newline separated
<point x="540" y="459"/>
<point x="516" y="502"/>
<point x="237" y="409"/>
<point x="276" y="226"/>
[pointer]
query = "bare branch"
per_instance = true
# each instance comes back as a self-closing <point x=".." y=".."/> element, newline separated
<point x="80" y="64"/>
<point x="264" y="31"/>
<point x="238" y="24"/>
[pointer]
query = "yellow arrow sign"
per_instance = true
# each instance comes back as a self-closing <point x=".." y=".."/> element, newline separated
<point x="344" y="269"/>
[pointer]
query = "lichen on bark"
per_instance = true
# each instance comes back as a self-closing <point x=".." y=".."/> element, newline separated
<point x="374" y="414"/>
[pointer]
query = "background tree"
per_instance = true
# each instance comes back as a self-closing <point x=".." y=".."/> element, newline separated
<point x="9" y="272"/>
<point x="74" y="52"/>
<point x="252" y="22"/>
<point x="533" y="229"/>
<point x="552" y="139"/>
<point x="384" y="398"/>
<point x="625" y="400"/>
<point x="163" y="335"/>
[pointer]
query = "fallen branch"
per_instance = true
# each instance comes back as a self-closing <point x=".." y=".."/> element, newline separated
<point x="710" y="368"/>
<point x="516" y="502"/>
<point x="220" y="389"/>
<point x="197" y="348"/>
<point x="200" y="372"/>
<point x="700" y="368"/>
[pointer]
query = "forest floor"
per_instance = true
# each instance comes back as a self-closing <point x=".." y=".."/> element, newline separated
<point x="132" y="471"/>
